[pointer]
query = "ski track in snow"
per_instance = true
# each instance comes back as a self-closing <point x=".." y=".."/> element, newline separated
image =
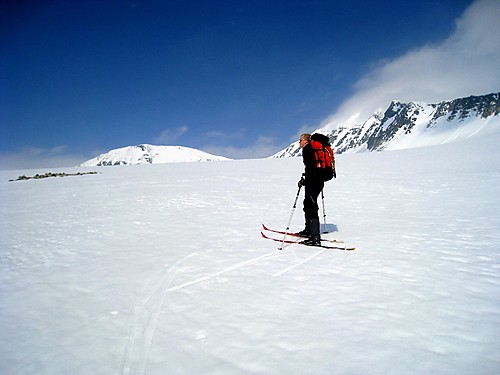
<point x="157" y="299"/>
<point x="145" y="323"/>
<point x="299" y="263"/>
<point x="216" y="274"/>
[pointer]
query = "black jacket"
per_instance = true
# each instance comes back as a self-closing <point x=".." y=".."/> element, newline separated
<point x="312" y="173"/>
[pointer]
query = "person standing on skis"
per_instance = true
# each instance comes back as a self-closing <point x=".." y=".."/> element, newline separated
<point x="313" y="183"/>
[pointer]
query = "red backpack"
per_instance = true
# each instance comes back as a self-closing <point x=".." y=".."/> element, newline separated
<point x="325" y="158"/>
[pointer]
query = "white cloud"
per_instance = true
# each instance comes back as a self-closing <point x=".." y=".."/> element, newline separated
<point x="261" y="148"/>
<point x="169" y="136"/>
<point x="34" y="158"/>
<point x="466" y="63"/>
<point x="223" y="136"/>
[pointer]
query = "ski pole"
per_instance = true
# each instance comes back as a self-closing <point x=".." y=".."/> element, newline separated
<point x="290" y="219"/>
<point x="324" y="212"/>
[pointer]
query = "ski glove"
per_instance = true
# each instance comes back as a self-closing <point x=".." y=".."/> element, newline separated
<point x="302" y="182"/>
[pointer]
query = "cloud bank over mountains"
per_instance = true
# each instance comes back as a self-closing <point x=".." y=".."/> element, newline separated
<point x="466" y="63"/>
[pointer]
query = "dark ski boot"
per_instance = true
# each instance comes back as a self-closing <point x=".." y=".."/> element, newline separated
<point x="306" y="232"/>
<point x="314" y="237"/>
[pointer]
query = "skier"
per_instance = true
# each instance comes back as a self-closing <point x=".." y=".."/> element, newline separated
<point x="313" y="183"/>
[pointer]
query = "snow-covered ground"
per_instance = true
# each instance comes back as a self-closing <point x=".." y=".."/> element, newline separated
<point x="161" y="269"/>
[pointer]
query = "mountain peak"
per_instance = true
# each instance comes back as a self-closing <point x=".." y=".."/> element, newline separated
<point x="414" y="124"/>
<point x="150" y="154"/>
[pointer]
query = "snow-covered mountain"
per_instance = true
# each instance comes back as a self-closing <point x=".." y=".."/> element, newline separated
<point x="410" y="125"/>
<point x="149" y="154"/>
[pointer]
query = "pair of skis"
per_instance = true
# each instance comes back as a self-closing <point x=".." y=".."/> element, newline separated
<point x="325" y="243"/>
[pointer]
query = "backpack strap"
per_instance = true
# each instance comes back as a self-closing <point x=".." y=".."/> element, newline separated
<point x="319" y="154"/>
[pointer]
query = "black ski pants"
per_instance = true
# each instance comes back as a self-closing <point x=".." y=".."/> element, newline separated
<point x="313" y="188"/>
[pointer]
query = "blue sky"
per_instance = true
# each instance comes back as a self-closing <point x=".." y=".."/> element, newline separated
<point x="236" y="78"/>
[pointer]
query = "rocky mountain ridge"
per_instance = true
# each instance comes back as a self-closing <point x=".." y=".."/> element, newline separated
<point x="413" y="124"/>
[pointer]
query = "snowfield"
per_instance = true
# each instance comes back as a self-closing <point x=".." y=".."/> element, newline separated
<point x="161" y="269"/>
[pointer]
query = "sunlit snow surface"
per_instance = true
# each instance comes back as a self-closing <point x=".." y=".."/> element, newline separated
<point x="161" y="269"/>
